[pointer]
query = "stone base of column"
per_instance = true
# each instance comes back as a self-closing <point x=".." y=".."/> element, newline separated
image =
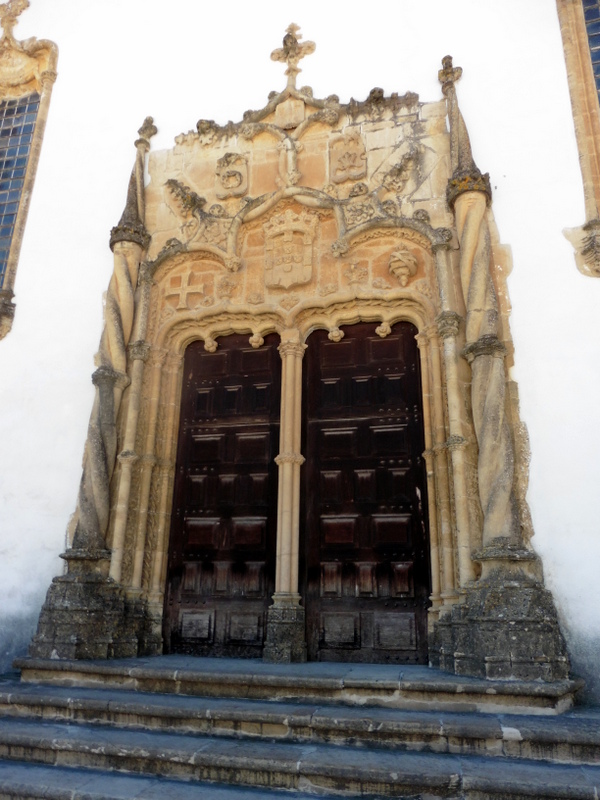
<point x="506" y="629"/>
<point x="151" y="635"/>
<point x="285" y="641"/>
<point x="86" y="614"/>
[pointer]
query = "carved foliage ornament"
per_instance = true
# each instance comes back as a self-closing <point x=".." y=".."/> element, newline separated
<point x="289" y="241"/>
<point x="210" y="226"/>
<point x="397" y="176"/>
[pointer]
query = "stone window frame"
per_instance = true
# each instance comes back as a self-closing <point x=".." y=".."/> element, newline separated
<point x="584" y="92"/>
<point x="26" y="68"/>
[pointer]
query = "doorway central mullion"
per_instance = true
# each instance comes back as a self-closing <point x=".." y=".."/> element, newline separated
<point x="285" y="621"/>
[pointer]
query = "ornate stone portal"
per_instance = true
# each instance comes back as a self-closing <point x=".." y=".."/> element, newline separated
<point x="308" y="215"/>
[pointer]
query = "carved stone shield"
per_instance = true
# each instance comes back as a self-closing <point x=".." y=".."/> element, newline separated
<point x="289" y="241"/>
<point x="347" y="158"/>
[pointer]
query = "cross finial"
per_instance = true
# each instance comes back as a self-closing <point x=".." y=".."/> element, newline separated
<point x="148" y="129"/>
<point x="448" y="75"/>
<point x="291" y="53"/>
<point x="9" y="13"/>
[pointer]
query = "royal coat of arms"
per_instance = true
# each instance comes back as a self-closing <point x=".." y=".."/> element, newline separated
<point x="289" y="241"/>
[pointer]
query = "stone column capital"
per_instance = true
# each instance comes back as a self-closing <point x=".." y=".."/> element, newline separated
<point x="487" y="345"/>
<point x="291" y="349"/>
<point x="139" y="351"/>
<point x="48" y="77"/>
<point x="468" y="180"/>
<point x="448" y="323"/>
<point x="108" y="377"/>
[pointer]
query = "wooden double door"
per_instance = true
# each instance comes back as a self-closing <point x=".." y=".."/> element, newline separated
<point x="364" y="564"/>
<point x="223" y="528"/>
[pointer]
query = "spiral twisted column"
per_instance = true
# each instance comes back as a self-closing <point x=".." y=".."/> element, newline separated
<point x="506" y="625"/>
<point x="87" y="614"/>
<point x="110" y="379"/>
<point x="485" y="353"/>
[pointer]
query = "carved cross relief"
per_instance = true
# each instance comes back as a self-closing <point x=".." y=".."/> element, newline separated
<point x="186" y="288"/>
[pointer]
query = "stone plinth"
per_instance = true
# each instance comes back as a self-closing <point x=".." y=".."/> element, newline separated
<point x="285" y="641"/>
<point x="506" y="629"/>
<point x="86" y="614"/>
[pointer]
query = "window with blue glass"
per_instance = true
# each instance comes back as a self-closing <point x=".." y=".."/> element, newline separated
<point x="17" y="123"/>
<point x="591" y="10"/>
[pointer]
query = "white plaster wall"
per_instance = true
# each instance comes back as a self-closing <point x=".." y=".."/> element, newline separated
<point x="123" y="59"/>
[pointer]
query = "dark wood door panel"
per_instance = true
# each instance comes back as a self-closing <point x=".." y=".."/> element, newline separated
<point x="222" y="547"/>
<point x="366" y="561"/>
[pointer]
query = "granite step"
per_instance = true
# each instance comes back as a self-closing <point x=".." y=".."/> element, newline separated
<point x="322" y="769"/>
<point x="20" y="779"/>
<point x="392" y="686"/>
<point x="572" y="738"/>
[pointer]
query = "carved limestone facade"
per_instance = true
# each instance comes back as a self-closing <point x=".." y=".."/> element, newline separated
<point x="310" y="214"/>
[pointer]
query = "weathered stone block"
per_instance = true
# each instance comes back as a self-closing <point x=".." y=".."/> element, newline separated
<point x="87" y="616"/>
<point x="285" y="639"/>
<point x="507" y="629"/>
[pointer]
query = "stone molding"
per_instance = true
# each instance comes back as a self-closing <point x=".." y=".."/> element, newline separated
<point x="289" y="458"/>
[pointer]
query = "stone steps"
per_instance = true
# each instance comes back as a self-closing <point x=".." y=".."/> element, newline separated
<point x="570" y="739"/>
<point x="391" y="686"/>
<point x="26" y="780"/>
<point x="318" y="769"/>
<point x="234" y="730"/>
